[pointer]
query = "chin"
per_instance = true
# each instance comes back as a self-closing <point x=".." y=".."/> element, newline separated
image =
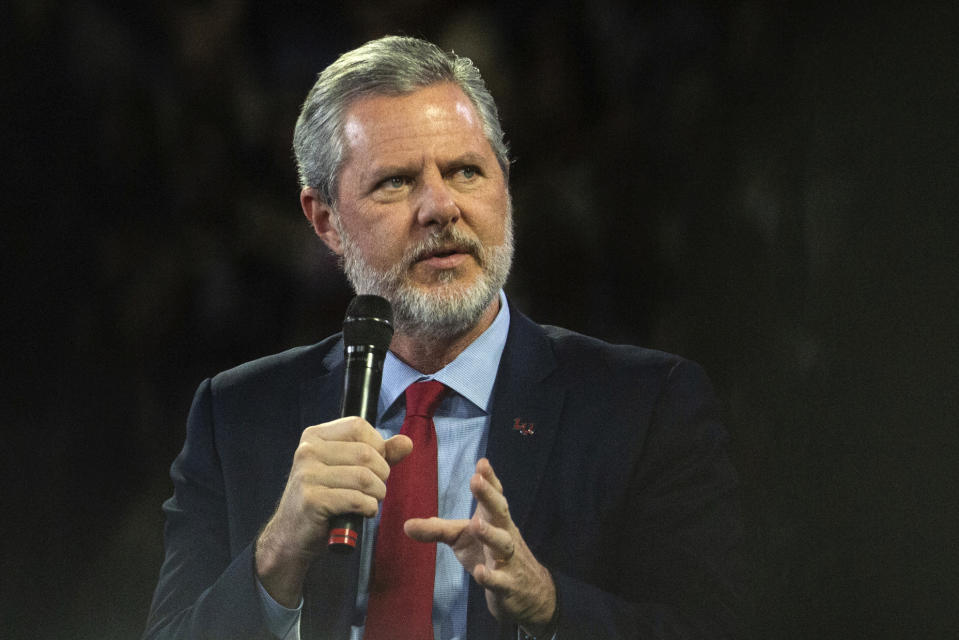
<point x="442" y="310"/>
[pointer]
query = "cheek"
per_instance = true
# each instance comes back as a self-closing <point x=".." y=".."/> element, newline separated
<point x="382" y="245"/>
<point x="493" y="223"/>
<point x="374" y="232"/>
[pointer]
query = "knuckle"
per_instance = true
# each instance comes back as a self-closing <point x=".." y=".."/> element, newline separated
<point x="301" y="476"/>
<point x="361" y="503"/>
<point x="361" y="478"/>
<point x="366" y="455"/>
<point x="313" y="498"/>
<point x="304" y="450"/>
<point x="354" y="426"/>
<point x="372" y="485"/>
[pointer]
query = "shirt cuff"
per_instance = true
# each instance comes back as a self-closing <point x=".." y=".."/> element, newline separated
<point x="281" y="622"/>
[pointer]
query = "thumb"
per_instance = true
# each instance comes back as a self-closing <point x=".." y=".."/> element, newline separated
<point x="434" y="529"/>
<point x="397" y="448"/>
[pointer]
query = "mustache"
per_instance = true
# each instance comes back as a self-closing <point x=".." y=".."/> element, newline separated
<point x="450" y="240"/>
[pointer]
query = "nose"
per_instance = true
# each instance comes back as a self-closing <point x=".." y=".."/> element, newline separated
<point x="436" y="203"/>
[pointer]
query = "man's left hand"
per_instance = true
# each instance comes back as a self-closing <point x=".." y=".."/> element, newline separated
<point x="518" y="588"/>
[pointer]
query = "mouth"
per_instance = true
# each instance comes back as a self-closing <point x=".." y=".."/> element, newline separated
<point x="446" y="257"/>
<point x="443" y="253"/>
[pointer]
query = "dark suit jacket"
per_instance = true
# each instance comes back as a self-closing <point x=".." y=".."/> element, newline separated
<point x="623" y="490"/>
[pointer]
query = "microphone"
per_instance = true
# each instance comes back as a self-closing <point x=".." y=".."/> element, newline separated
<point x="367" y="332"/>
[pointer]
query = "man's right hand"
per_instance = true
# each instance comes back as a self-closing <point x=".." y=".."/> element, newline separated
<point x="339" y="467"/>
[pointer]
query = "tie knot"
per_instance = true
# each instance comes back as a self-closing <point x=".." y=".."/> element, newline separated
<point x="422" y="398"/>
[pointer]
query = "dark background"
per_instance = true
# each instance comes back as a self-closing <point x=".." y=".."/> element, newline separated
<point x="766" y="188"/>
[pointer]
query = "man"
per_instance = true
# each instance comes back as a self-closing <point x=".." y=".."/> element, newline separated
<point x="583" y="490"/>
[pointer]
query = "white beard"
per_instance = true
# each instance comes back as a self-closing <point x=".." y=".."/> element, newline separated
<point x="443" y="311"/>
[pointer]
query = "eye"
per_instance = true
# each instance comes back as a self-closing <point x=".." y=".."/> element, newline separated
<point x="395" y="182"/>
<point x="469" y="172"/>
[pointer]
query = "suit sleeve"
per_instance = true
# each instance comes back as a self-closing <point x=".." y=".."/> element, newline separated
<point x="681" y="573"/>
<point x="202" y="591"/>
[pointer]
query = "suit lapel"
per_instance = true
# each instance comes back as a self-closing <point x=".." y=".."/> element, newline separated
<point x="322" y="394"/>
<point x="525" y="420"/>
<point x="522" y="432"/>
<point x="329" y="593"/>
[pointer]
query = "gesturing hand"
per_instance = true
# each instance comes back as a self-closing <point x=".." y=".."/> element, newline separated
<point x="490" y="547"/>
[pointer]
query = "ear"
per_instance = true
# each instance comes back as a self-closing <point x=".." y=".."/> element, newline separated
<point x="318" y="212"/>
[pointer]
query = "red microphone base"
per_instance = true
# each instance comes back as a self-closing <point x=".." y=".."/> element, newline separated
<point x="342" y="539"/>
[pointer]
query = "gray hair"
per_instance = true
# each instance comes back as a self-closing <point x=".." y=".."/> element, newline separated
<point x="393" y="65"/>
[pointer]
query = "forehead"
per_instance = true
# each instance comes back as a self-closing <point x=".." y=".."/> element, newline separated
<point x="435" y="119"/>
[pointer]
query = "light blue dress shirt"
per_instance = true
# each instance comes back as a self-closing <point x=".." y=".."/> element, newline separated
<point x="462" y="424"/>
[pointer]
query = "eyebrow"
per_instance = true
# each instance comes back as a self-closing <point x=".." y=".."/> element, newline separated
<point x="470" y="157"/>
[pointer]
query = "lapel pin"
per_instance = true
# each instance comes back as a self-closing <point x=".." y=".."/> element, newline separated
<point x="524" y="428"/>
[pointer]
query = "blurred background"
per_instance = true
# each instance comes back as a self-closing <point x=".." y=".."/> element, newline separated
<point x="766" y="188"/>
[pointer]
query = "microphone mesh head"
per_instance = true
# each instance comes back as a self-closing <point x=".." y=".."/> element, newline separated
<point x="369" y="321"/>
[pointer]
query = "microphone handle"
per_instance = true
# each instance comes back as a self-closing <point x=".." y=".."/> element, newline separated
<point x="361" y="393"/>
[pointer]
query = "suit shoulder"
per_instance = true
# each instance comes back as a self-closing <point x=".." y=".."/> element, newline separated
<point x="292" y="364"/>
<point x="611" y="368"/>
<point x="581" y="350"/>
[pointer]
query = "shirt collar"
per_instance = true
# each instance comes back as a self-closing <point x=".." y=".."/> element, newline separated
<point x="471" y="374"/>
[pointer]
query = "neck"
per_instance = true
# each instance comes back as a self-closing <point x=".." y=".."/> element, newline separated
<point x="427" y="354"/>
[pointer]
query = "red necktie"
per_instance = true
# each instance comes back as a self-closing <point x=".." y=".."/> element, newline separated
<point x="401" y="591"/>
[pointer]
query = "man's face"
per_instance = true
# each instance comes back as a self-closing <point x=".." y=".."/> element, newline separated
<point x="423" y="215"/>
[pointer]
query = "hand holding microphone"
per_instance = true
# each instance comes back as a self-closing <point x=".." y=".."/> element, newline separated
<point x="367" y="332"/>
<point x="339" y="468"/>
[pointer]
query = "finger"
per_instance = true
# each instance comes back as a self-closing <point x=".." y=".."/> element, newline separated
<point x="322" y="503"/>
<point x="492" y="500"/>
<point x="498" y="541"/>
<point x="492" y="579"/>
<point x="485" y="469"/>
<point x="348" y="429"/>
<point x="434" y="529"/>
<point x="397" y="448"/>
<point x="312" y="452"/>
<point x="357" y="478"/>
